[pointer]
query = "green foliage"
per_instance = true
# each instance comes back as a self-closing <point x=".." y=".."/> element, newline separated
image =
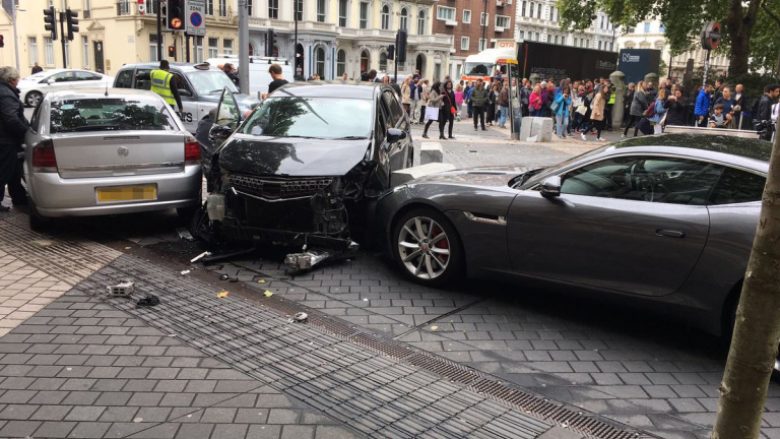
<point x="764" y="43"/>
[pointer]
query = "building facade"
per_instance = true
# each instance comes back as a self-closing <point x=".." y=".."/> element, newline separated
<point x="335" y="37"/>
<point x="651" y="34"/>
<point x="474" y="25"/>
<point x="112" y="33"/>
<point x="540" y="21"/>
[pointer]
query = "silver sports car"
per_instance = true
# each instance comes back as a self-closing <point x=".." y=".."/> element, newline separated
<point x="109" y="151"/>
<point x="664" y="220"/>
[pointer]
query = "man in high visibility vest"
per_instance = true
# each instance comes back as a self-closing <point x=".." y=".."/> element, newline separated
<point x="610" y="105"/>
<point x="164" y="84"/>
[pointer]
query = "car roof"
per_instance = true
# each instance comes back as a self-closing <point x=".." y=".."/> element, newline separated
<point x="717" y="143"/>
<point x="183" y="66"/>
<point x="94" y="93"/>
<point x="342" y="89"/>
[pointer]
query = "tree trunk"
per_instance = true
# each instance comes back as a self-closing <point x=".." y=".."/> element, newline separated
<point x="739" y="25"/>
<point x="757" y="326"/>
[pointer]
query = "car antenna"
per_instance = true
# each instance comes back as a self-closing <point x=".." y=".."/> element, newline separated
<point x="106" y="93"/>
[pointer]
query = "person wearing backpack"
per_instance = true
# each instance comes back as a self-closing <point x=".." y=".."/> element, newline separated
<point x="639" y="105"/>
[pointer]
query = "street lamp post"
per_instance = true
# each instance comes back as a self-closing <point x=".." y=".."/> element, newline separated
<point x="484" y="23"/>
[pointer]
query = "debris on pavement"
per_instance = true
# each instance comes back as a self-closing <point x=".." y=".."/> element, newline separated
<point x="222" y="294"/>
<point x="224" y="276"/>
<point x="200" y="256"/>
<point x="122" y="289"/>
<point x="261" y="281"/>
<point x="184" y="234"/>
<point x="300" y="317"/>
<point x="185" y="272"/>
<point x="434" y="327"/>
<point x="213" y="258"/>
<point x="268" y="293"/>
<point x="148" y="301"/>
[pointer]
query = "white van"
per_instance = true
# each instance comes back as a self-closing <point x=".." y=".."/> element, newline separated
<point x="259" y="78"/>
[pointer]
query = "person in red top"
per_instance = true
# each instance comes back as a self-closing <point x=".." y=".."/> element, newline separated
<point x="535" y="101"/>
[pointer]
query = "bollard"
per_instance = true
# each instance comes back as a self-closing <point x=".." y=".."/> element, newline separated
<point x="618" y="79"/>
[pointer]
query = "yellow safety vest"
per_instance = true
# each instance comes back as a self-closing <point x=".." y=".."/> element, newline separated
<point x="611" y="99"/>
<point x="161" y="84"/>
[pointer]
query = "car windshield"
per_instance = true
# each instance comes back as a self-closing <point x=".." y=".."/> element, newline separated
<point x="479" y="68"/>
<point x="210" y="81"/>
<point x="110" y="113"/>
<point x="555" y="169"/>
<point x="328" y="118"/>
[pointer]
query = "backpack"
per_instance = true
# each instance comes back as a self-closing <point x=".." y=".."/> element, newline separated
<point x="650" y="110"/>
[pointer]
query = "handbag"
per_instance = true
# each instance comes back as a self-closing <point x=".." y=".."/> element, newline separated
<point x="554" y="106"/>
<point x="650" y="110"/>
<point x="582" y="109"/>
<point x="453" y="110"/>
<point x="431" y="113"/>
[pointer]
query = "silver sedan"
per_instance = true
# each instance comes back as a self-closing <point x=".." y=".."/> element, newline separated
<point x="108" y="151"/>
<point x="663" y="222"/>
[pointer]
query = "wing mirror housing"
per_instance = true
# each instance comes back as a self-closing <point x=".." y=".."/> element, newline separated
<point x="551" y="187"/>
<point x="394" y="135"/>
<point x="219" y="133"/>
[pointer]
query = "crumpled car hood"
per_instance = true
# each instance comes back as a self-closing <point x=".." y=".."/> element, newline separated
<point x="263" y="155"/>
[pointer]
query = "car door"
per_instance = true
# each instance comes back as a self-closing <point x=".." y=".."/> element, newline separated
<point x="631" y="224"/>
<point x="60" y="81"/>
<point x="189" y="102"/>
<point x="398" y="150"/>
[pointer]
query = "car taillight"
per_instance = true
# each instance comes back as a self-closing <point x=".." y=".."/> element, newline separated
<point x="191" y="151"/>
<point x="43" y="157"/>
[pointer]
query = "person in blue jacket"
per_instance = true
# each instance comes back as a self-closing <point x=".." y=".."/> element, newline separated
<point x="702" y="108"/>
<point x="562" y="106"/>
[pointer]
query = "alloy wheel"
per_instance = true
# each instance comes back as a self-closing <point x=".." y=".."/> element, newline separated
<point x="424" y="247"/>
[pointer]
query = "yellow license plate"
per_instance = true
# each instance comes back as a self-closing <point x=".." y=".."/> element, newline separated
<point x="141" y="192"/>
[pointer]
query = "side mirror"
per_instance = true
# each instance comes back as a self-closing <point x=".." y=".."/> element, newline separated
<point x="551" y="187"/>
<point x="49" y="81"/>
<point x="183" y="92"/>
<point x="394" y="135"/>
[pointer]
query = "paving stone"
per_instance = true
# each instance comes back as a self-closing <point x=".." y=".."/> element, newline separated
<point x="50" y="413"/>
<point x="85" y="413"/>
<point x="54" y="430"/>
<point x="264" y="432"/>
<point x="229" y="431"/>
<point x="19" y="428"/>
<point x="196" y="431"/>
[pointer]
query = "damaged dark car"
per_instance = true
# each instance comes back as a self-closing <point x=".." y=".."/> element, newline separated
<point x="304" y="170"/>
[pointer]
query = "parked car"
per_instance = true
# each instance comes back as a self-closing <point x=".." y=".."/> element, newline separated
<point x="200" y="87"/>
<point x="306" y="167"/>
<point x="664" y="221"/>
<point x="34" y="87"/>
<point x="108" y="151"/>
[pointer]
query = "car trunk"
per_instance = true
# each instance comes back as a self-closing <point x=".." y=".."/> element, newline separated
<point x="104" y="154"/>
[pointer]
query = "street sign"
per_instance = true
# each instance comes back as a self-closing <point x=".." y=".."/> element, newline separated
<point x="710" y="36"/>
<point x="195" y="12"/>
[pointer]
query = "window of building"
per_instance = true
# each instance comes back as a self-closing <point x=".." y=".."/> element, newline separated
<point x="502" y="21"/>
<point x="403" y="25"/>
<point x="223" y="8"/>
<point x="539" y="11"/>
<point x="123" y="7"/>
<point x="465" y="43"/>
<point x="522" y="35"/>
<point x="482" y="44"/>
<point x="467" y="15"/>
<point x="531" y="10"/>
<point x="522" y="11"/>
<point x="249" y="7"/>
<point x="383" y="62"/>
<point x="555" y="15"/>
<point x="84" y="51"/>
<point x="32" y="50"/>
<point x="227" y="46"/>
<point x="321" y="11"/>
<point x="549" y="38"/>
<point x="209" y="7"/>
<point x="364" y="15"/>
<point x="319" y="61"/>
<point x="385" y="17"/>
<point x="343" y="7"/>
<point x="661" y="28"/>
<point x="647" y="27"/>
<point x="421" y="22"/>
<point x="273" y="9"/>
<point x="213" y="47"/>
<point x="341" y="63"/>
<point x="445" y="13"/>
<point x="483" y="19"/>
<point x="599" y="45"/>
<point x="86" y="8"/>
<point x="299" y="10"/>
<point x="198" y="49"/>
<point x="365" y="61"/>
<point x="536" y="36"/>
<point x="153" y="47"/>
<point x="151" y="7"/>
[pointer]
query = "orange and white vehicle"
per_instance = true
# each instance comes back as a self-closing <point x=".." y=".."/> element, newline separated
<point x="485" y="64"/>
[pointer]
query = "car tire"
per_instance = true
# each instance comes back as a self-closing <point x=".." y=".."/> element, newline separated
<point x="426" y="247"/>
<point x="186" y="214"/>
<point x="33" y="99"/>
<point x="38" y="223"/>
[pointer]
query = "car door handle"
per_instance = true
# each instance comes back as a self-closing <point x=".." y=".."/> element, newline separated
<point x="670" y="233"/>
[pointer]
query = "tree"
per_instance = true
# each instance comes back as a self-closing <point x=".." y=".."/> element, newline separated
<point x="765" y="46"/>
<point x="683" y="19"/>
<point x="757" y="323"/>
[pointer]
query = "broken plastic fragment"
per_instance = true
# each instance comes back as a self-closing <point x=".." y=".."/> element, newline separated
<point x="268" y="293"/>
<point x="300" y="317"/>
<point x="200" y="256"/>
<point x="222" y="294"/>
<point x="128" y="248"/>
<point x="185" y="272"/>
<point x="434" y="327"/>
<point x="138" y="419"/>
<point x="68" y="369"/>
<point x="184" y="234"/>
<point x="224" y="277"/>
<point x="261" y="281"/>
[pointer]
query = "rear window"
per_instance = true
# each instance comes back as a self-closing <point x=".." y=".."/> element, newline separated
<point x="110" y="113"/>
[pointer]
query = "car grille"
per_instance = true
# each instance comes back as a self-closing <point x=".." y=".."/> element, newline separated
<point x="279" y="188"/>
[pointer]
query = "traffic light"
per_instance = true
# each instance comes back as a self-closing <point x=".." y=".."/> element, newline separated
<point x="2" y="42"/>
<point x="391" y="52"/>
<point x="270" y="42"/>
<point x="71" y="18"/>
<point x="50" y="21"/>
<point x="172" y="52"/>
<point x="400" y="47"/>
<point x="175" y="14"/>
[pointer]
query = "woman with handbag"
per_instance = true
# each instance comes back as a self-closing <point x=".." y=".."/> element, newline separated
<point x="597" y="109"/>
<point x="562" y="104"/>
<point x="638" y="106"/>
<point x="448" y="110"/>
<point x="659" y="111"/>
<point x="490" y="110"/>
<point x="535" y="101"/>
<point x="432" y="108"/>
